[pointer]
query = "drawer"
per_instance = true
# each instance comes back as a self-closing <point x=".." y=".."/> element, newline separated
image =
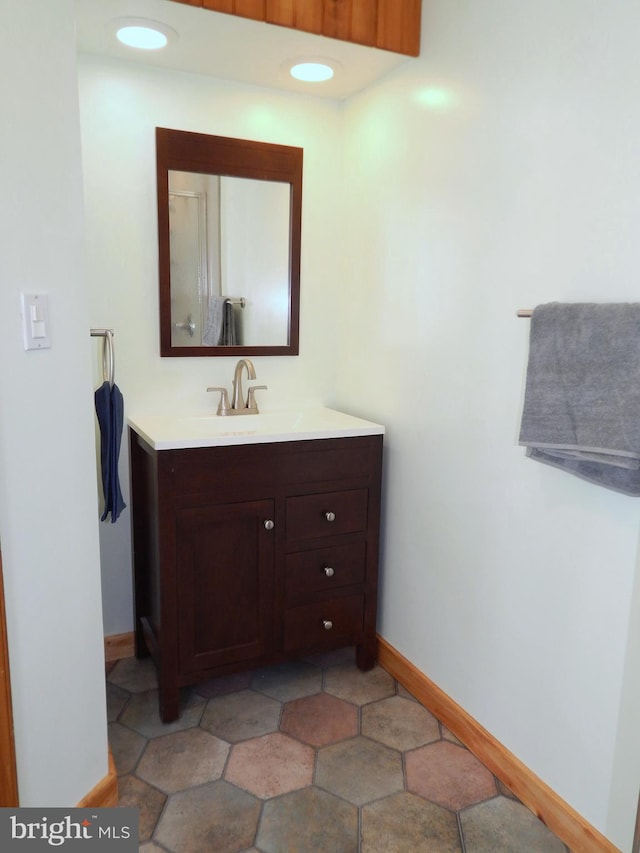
<point x="324" y="569"/>
<point x="222" y="474"/>
<point x="326" y="514"/>
<point x="327" y="460"/>
<point x="332" y="623"/>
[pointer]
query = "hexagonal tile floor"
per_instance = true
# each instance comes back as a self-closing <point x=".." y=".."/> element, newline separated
<point x="311" y="757"/>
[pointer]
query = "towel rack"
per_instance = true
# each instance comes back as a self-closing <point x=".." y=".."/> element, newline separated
<point x="187" y="325"/>
<point x="525" y="312"/>
<point x="108" y="354"/>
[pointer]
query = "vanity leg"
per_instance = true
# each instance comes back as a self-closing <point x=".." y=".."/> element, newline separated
<point x="366" y="655"/>
<point x="169" y="703"/>
<point x="141" y="648"/>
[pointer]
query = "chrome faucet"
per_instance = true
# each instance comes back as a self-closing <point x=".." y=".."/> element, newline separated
<point x="237" y="400"/>
<point x="239" y="406"/>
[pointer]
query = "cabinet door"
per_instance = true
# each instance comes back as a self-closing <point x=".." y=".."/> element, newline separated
<point x="225" y="584"/>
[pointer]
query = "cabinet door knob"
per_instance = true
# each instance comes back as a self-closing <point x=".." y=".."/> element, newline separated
<point x="269" y="525"/>
<point x="328" y="625"/>
<point x="328" y="571"/>
<point x="330" y="516"/>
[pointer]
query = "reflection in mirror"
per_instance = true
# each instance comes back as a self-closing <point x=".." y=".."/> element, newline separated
<point x="214" y="278"/>
<point x="229" y="240"/>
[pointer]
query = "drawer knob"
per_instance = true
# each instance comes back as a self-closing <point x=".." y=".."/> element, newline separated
<point x="328" y="571"/>
<point x="328" y="625"/>
<point x="330" y="516"/>
<point x="269" y="525"/>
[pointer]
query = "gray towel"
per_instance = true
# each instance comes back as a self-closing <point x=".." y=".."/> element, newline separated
<point x="212" y="331"/>
<point x="582" y="396"/>
<point x="228" y="338"/>
<point x="220" y="325"/>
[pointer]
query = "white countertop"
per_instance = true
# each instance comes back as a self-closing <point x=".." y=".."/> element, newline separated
<point x="175" y="432"/>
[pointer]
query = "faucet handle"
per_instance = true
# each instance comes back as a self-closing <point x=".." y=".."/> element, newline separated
<point x="223" y="405"/>
<point x="251" y="401"/>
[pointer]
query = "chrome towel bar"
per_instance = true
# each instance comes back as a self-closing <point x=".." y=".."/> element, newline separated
<point x="108" y="354"/>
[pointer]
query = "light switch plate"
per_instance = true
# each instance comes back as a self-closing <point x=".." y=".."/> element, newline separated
<point x="35" y="320"/>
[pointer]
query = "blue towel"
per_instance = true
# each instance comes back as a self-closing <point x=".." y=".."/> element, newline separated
<point x="110" y="411"/>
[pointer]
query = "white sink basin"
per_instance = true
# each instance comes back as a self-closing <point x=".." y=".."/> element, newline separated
<point x="172" y="432"/>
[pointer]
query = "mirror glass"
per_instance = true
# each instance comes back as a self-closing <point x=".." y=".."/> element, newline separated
<point x="229" y="245"/>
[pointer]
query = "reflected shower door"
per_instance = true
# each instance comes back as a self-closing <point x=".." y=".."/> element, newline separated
<point x="189" y="284"/>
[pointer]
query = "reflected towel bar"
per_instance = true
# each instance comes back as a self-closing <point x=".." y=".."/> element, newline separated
<point x="108" y="354"/>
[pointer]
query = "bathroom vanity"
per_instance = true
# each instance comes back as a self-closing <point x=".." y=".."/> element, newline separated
<point x="255" y="540"/>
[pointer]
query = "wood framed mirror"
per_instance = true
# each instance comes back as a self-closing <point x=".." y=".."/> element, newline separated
<point x="229" y="237"/>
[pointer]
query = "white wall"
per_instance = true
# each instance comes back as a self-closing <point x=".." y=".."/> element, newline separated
<point x="48" y="506"/>
<point x="121" y="104"/>
<point x="497" y="171"/>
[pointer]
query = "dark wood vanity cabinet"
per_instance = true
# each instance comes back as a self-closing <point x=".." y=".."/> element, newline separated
<point x="253" y="554"/>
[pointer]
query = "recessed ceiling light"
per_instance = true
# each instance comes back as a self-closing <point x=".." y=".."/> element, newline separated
<point x="142" y="33"/>
<point x="312" y="70"/>
<point x="142" y="37"/>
